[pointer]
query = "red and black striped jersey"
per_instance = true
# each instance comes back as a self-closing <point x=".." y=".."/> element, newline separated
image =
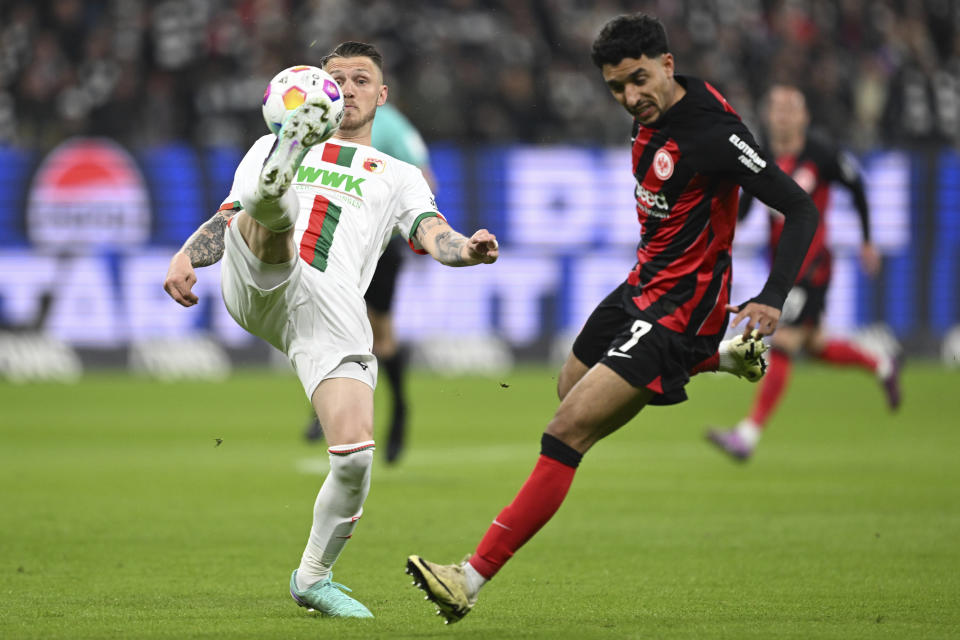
<point x="817" y="166"/>
<point x="688" y="166"/>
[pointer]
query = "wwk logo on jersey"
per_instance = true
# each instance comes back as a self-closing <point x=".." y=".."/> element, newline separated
<point x="652" y="204"/>
<point x="332" y="179"/>
<point x="663" y="164"/>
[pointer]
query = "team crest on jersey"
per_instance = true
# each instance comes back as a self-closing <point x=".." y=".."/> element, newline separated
<point x="374" y="165"/>
<point x="663" y="164"/>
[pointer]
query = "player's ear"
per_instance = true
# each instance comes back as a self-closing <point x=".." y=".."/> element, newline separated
<point x="666" y="60"/>
<point x="382" y="98"/>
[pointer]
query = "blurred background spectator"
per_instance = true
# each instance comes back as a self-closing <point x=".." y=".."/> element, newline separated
<point x="489" y="71"/>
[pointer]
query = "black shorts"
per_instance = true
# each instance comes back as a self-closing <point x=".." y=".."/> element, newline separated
<point x="641" y="351"/>
<point x="804" y="305"/>
<point x="379" y="295"/>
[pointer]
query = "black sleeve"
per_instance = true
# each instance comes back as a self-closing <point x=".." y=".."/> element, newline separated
<point x="732" y="152"/>
<point x="846" y="171"/>
<point x="746" y="201"/>
<point x="778" y="191"/>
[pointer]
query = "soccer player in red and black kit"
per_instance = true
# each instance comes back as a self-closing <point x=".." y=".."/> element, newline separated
<point x="691" y="155"/>
<point x="814" y="164"/>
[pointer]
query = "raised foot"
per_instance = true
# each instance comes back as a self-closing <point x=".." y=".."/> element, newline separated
<point x="307" y="126"/>
<point x="743" y="357"/>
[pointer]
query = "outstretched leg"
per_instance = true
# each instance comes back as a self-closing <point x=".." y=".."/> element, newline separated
<point x="599" y="404"/>
<point x="271" y="207"/>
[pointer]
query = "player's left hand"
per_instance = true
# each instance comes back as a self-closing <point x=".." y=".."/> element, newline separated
<point x="761" y="317"/>
<point x="870" y="259"/>
<point x="482" y="247"/>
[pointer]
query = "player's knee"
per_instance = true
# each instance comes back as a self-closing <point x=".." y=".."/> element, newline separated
<point x="567" y="429"/>
<point x="351" y="466"/>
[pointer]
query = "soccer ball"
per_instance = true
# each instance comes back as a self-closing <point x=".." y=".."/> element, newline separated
<point x="291" y="87"/>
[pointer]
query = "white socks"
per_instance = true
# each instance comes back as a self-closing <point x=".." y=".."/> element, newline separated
<point x="338" y="507"/>
<point x="749" y="432"/>
<point x="474" y="580"/>
<point x="275" y="214"/>
<point x="726" y="362"/>
<point x="884" y="367"/>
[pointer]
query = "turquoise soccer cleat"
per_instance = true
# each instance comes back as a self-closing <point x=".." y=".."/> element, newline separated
<point x="327" y="598"/>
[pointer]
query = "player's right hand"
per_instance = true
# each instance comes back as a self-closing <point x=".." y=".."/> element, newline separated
<point x="761" y="317"/>
<point x="180" y="280"/>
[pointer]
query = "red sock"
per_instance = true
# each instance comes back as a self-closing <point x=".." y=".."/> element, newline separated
<point x="710" y="364"/>
<point x="539" y="498"/>
<point x="843" y="352"/>
<point x="771" y="387"/>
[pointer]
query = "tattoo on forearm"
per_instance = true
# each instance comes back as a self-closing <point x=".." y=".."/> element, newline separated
<point x="449" y="243"/>
<point x="425" y="225"/>
<point x="205" y="246"/>
<point x="449" y="248"/>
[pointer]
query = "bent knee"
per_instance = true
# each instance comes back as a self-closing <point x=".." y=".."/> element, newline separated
<point x="564" y="427"/>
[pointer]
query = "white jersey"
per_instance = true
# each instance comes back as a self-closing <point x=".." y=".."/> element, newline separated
<point x="352" y="199"/>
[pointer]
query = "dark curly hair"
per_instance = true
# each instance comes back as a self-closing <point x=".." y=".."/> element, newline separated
<point x="629" y="36"/>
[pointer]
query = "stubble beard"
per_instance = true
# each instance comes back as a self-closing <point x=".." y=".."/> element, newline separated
<point x="365" y="119"/>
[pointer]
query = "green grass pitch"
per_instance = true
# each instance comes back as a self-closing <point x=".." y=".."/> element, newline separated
<point x="121" y="517"/>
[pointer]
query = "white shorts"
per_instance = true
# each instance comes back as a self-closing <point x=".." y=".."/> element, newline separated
<point x="319" y="324"/>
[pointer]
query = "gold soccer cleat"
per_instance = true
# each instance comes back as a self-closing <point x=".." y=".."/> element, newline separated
<point x="445" y="585"/>
<point x="743" y="357"/>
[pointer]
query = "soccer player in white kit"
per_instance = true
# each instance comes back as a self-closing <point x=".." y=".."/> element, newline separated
<point x="302" y="230"/>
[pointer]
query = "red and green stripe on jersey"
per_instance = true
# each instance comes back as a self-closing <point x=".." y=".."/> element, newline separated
<point x="318" y="236"/>
<point x="231" y="206"/>
<point x="335" y="154"/>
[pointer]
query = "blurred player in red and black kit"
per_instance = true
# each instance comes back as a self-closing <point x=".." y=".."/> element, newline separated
<point x="691" y="155"/>
<point x="814" y="165"/>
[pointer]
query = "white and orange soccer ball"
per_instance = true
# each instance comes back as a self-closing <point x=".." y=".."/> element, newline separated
<point x="291" y="87"/>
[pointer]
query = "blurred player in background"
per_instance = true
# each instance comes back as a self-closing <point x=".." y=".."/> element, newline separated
<point x="814" y="164"/>
<point x="296" y="264"/>
<point x="396" y="136"/>
<point x="691" y="154"/>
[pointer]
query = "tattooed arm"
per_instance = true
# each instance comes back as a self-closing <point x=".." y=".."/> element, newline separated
<point x="203" y="248"/>
<point x="453" y="249"/>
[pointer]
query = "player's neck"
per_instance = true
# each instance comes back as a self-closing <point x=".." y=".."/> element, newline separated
<point x="356" y="136"/>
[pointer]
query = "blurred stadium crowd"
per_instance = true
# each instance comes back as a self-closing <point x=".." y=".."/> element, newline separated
<point x="489" y="71"/>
